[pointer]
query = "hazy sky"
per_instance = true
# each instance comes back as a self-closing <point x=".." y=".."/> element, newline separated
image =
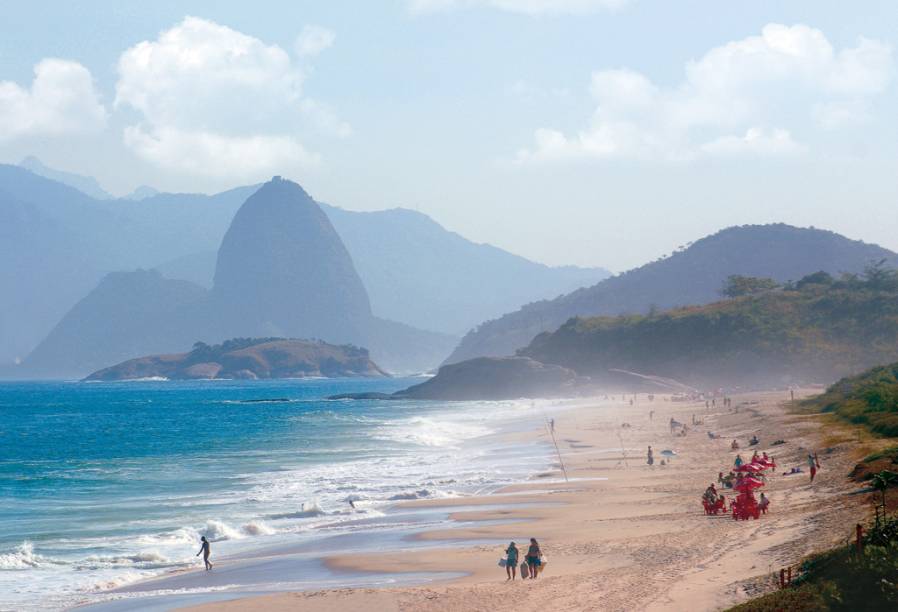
<point x="594" y="132"/>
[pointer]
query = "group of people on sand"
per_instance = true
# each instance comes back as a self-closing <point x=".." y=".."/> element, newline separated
<point x="532" y="565"/>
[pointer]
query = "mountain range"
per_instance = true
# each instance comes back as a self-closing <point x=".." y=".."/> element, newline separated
<point x="282" y="271"/>
<point x="58" y="242"/>
<point x="813" y="331"/>
<point x="694" y="275"/>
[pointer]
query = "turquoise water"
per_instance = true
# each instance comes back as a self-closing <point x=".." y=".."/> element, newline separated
<point x="103" y="484"/>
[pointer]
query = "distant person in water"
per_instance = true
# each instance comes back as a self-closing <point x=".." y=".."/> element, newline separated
<point x="552" y="425"/>
<point x="533" y="558"/>
<point x="650" y="457"/>
<point x="511" y="561"/>
<point x="204" y="548"/>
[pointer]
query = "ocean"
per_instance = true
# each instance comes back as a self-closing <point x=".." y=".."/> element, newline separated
<point x="104" y="485"/>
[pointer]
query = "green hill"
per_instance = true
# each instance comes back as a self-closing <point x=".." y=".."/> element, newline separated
<point x="691" y="275"/>
<point x="816" y="330"/>
<point x="869" y="399"/>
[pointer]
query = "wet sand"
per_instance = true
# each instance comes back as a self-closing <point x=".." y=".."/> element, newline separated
<point x="622" y="535"/>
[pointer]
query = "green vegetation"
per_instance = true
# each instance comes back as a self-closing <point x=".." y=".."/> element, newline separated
<point x="842" y="579"/>
<point x="737" y="285"/>
<point x="814" y="330"/>
<point x="869" y="399"/>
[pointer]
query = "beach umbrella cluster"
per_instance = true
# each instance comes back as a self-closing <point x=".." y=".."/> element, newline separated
<point x="750" y="477"/>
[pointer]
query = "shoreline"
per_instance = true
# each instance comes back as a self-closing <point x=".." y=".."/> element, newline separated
<point x="636" y="540"/>
<point x="395" y="526"/>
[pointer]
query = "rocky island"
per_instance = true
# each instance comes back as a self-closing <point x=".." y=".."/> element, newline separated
<point x="490" y="378"/>
<point x="249" y="358"/>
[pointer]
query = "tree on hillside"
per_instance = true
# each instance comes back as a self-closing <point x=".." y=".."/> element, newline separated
<point x="879" y="276"/>
<point x="817" y="278"/>
<point x="737" y="285"/>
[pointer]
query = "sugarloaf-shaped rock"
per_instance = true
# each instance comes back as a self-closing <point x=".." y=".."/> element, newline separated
<point x="282" y="270"/>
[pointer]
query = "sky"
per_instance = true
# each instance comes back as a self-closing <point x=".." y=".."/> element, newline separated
<point x="587" y="132"/>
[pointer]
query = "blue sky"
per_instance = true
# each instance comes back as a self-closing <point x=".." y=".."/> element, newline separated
<point x="595" y="132"/>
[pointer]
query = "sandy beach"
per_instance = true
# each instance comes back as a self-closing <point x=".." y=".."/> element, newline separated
<point x="621" y="535"/>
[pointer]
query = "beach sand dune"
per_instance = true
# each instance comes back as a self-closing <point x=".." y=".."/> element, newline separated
<point x="622" y="535"/>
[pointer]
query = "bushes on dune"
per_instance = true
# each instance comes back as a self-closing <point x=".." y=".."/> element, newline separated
<point x="841" y="579"/>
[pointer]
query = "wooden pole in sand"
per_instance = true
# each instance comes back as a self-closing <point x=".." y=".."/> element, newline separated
<point x="558" y="452"/>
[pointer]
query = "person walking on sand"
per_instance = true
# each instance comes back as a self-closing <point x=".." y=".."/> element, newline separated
<point x="813" y="464"/>
<point x="650" y="457"/>
<point x="204" y="548"/>
<point x="533" y="558"/>
<point x="511" y="561"/>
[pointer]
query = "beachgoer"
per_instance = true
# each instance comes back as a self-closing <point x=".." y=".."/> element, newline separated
<point x="672" y="424"/>
<point x="651" y="414"/>
<point x="552" y="425"/>
<point x="754" y="440"/>
<point x="511" y="561"/>
<point x="734" y="445"/>
<point x="713" y="403"/>
<point x="763" y="503"/>
<point x="792" y="394"/>
<point x="650" y="457"/>
<point x="739" y="461"/>
<point x="812" y="463"/>
<point x="533" y="558"/>
<point x="204" y="548"/>
<point x="754" y="457"/>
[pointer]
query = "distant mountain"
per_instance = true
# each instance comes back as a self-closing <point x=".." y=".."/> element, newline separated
<point x="251" y="358"/>
<point x="58" y="243"/>
<point x="691" y="276"/>
<point x="85" y="184"/>
<point x="282" y="271"/>
<point x="141" y="193"/>
<point x="65" y="241"/>
<point x="127" y="315"/>
<point x="814" y="331"/>
<point x="456" y="283"/>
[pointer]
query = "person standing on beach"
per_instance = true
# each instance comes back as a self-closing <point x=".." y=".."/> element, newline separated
<point x="650" y="457"/>
<point x="813" y="464"/>
<point x="511" y="561"/>
<point x="204" y="548"/>
<point x="533" y="558"/>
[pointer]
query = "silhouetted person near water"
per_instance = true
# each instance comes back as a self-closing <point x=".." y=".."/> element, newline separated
<point x="205" y="550"/>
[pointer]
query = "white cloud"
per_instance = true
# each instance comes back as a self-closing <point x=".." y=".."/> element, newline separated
<point x="217" y="102"/>
<point x="527" y="7"/>
<point x="313" y="40"/>
<point x="213" y="155"/>
<point x="62" y="100"/>
<point x="756" y="141"/>
<point x="735" y="98"/>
